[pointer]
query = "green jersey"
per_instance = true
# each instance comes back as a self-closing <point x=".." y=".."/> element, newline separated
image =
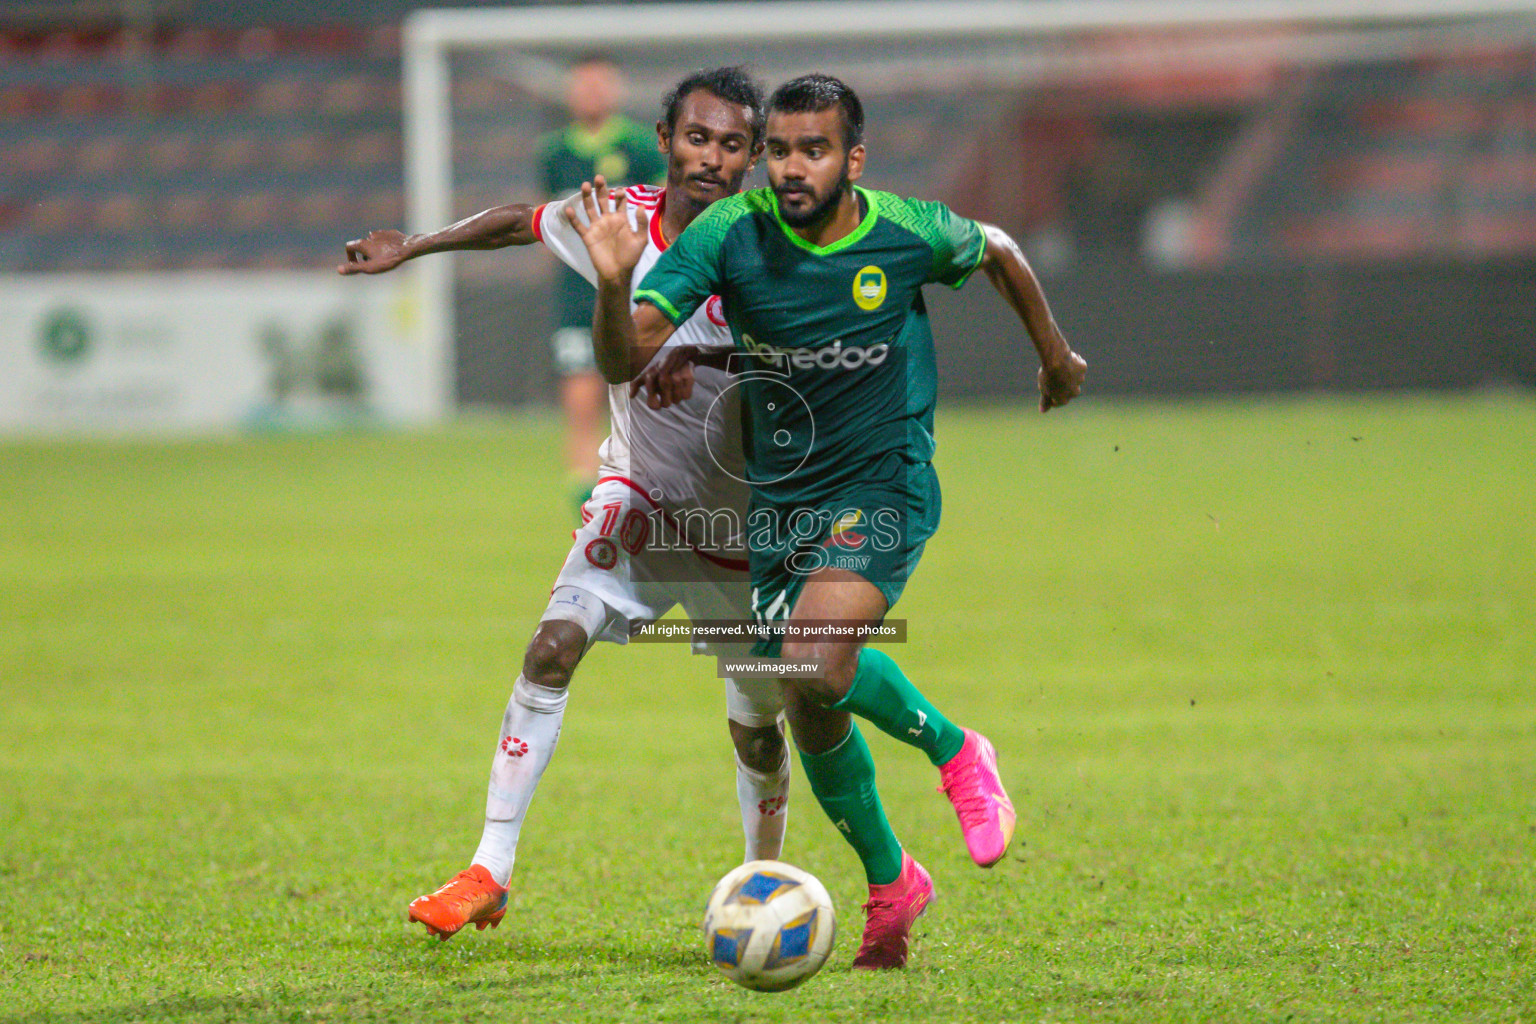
<point x="623" y="152"/>
<point x="836" y="354"/>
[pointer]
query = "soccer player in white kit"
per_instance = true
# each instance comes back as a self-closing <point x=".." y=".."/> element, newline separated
<point x="663" y="526"/>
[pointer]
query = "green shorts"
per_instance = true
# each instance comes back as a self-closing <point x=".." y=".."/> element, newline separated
<point x="877" y="528"/>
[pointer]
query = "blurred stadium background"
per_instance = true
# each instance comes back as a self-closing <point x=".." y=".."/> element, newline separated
<point x="1236" y="196"/>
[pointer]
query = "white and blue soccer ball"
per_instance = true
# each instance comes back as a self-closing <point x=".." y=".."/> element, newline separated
<point x="769" y="925"/>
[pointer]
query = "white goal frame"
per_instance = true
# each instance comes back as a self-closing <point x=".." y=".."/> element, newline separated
<point x="430" y="36"/>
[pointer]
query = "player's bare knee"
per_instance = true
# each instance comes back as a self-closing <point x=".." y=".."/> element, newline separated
<point x="816" y="727"/>
<point x="817" y="692"/>
<point x="839" y="662"/>
<point x="809" y="694"/>
<point x="800" y="706"/>
<point x="553" y="653"/>
<point x="760" y="748"/>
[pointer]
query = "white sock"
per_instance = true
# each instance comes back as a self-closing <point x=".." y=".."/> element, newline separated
<point x="529" y="731"/>
<point x="764" y="798"/>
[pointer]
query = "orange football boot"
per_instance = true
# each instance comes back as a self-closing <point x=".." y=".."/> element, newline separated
<point x="469" y="896"/>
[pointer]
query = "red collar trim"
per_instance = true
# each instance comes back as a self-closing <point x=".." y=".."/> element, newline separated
<point x="656" y="238"/>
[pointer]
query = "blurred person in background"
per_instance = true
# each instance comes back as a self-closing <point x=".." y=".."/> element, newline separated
<point x="599" y="141"/>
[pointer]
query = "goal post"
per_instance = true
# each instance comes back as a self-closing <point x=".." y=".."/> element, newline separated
<point x="963" y="48"/>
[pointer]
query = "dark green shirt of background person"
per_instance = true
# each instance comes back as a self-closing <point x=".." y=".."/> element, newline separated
<point x="599" y="140"/>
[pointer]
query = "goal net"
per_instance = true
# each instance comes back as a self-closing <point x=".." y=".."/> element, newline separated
<point x="1095" y="130"/>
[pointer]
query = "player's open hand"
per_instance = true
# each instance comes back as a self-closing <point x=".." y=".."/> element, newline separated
<point x="1062" y="381"/>
<point x="669" y="377"/>
<point x="614" y="246"/>
<point x="380" y="251"/>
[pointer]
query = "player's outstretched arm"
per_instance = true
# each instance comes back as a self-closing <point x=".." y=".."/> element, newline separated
<point x="495" y="228"/>
<point x="623" y="343"/>
<point x="1061" y="370"/>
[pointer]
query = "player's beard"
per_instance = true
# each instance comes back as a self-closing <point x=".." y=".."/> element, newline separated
<point x="686" y="188"/>
<point x="820" y="210"/>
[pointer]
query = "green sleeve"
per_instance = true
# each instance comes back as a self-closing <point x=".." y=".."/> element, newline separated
<point x="958" y="243"/>
<point x="690" y="270"/>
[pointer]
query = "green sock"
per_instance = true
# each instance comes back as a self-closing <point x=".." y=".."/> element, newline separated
<point x="843" y="781"/>
<point x="881" y="694"/>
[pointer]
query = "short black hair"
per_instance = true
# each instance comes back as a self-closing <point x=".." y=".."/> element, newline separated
<point x="813" y="93"/>
<point x="731" y="84"/>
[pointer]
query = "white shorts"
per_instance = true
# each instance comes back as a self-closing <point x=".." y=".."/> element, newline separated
<point x="638" y="582"/>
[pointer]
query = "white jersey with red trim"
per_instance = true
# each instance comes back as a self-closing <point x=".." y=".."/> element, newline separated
<point x="686" y="458"/>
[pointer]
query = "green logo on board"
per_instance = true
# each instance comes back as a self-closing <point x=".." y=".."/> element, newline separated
<point x="65" y="337"/>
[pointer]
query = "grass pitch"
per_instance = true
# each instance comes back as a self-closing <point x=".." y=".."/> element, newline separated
<point x="1259" y="673"/>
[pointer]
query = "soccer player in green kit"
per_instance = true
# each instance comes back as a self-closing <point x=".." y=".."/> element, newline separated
<point x="821" y="283"/>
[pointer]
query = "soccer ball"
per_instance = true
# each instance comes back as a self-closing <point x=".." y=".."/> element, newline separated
<point x="769" y="926"/>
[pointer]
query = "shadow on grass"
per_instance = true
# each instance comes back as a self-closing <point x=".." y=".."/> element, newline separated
<point x="414" y="975"/>
<point x="201" y="1008"/>
<point x="549" y="958"/>
<point x="420" y="984"/>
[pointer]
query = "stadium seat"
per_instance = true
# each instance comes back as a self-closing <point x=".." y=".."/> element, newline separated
<point x="353" y="94"/>
<point x="302" y="151"/>
<point x="54" y="214"/>
<point x="257" y="209"/>
<point x="285" y="95"/>
<point x="477" y="94"/>
<point x="102" y="155"/>
<point x="325" y="208"/>
<point x="42" y="156"/>
<point x="1483" y="235"/>
<point x="1411" y="174"/>
<point x="63" y="46"/>
<point x="18" y="102"/>
<point x="385" y="206"/>
<point x="172" y="154"/>
<point x="1425" y="115"/>
<point x="1361" y="237"/>
<point x="193" y="44"/>
<point x="372" y="149"/>
<point x="234" y="151"/>
<point x="1513" y="171"/>
<point x="88" y="99"/>
<point x="121" y="214"/>
<point x="215" y="98"/>
<point x="496" y="149"/>
<point x="259" y="43"/>
<point x="190" y="212"/>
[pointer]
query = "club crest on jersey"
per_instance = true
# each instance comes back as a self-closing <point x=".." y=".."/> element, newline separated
<point x="613" y="166"/>
<point x="602" y="553"/>
<point x="869" y="288"/>
<point x="715" y="310"/>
